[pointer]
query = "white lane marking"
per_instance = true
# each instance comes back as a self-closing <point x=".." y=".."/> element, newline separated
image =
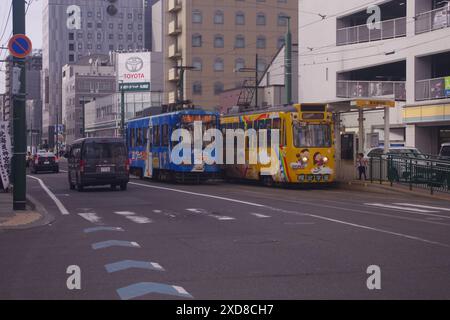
<point x="398" y="207"/>
<point x="157" y="211"/>
<point x="91" y="217"/>
<point x="380" y="230"/>
<point x="422" y="206"/>
<point x="261" y="216"/>
<point x="199" y="194"/>
<point x="125" y="213"/>
<point x="156" y="266"/>
<point x="303" y="214"/>
<point x="135" y="244"/>
<point x="140" y="220"/>
<point x="215" y="216"/>
<point x="63" y="171"/>
<point x="409" y="210"/>
<point x="58" y="203"/>
<point x="180" y="290"/>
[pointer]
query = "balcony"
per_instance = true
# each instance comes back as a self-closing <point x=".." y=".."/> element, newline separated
<point x="388" y="29"/>
<point x="173" y="74"/>
<point x="174" y="28"/>
<point x="174" y="5"/>
<point x="433" y="20"/>
<point x="174" y="53"/>
<point x="430" y="89"/>
<point x="371" y="89"/>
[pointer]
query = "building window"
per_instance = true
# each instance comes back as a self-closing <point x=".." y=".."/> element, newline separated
<point x="71" y="36"/>
<point x="261" y="19"/>
<point x="219" y="17"/>
<point x="282" y="21"/>
<point x="239" y="41"/>
<point x="239" y="64"/>
<point x="218" y="88"/>
<point x="71" y="58"/>
<point x="197" y="17"/>
<point x="261" y="42"/>
<point x="218" y="64"/>
<point x="197" y="64"/>
<point x="219" y="41"/>
<point x="240" y="18"/>
<point x="262" y="65"/>
<point x="280" y="42"/>
<point x="71" y="47"/>
<point x="197" y="88"/>
<point x="197" y="40"/>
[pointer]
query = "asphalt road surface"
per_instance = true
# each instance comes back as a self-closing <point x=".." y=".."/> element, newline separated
<point x="227" y="241"/>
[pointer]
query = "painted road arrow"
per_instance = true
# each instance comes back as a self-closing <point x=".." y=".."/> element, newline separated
<point x="117" y="243"/>
<point x="130" y="264"/>
<point x="144" y="288"/>
<point x="97" y="229"/>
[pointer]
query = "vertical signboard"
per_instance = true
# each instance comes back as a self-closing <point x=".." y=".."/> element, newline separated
<point x="5" y="153"/>
<point x="447" y="86"/>
<point x="134" y="71"/>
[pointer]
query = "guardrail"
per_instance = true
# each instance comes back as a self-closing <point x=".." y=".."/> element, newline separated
<point x="430" y="89"/>
<point x="387" y="29"/>
<point x="369" y="89"/>
<point x="433" y="20"/>
<point x="427" y="172"/>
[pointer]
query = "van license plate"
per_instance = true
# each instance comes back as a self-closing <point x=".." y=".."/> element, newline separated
<point x="46" y="162"/>
<point x="105" y="169"/>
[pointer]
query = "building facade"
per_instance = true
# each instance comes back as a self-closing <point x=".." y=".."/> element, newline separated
<point x="215" y="39"/>
<point x="346" y="51"/>
<point x="90" y="78"/>
<point x="73" y="29"/>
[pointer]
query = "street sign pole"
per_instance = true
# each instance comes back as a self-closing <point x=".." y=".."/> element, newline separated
<point x="19" y="116"/>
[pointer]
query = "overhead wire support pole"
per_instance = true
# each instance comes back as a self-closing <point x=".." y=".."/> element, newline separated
<point x="19" y="116"/>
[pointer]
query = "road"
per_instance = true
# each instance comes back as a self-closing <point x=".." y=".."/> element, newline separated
<point x="227" y="241"/>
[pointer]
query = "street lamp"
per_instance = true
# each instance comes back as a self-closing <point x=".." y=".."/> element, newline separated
<point x="122" y="108"/>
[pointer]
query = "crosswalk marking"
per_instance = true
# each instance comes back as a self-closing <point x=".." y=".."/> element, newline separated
<point x="409" y="210"/>
<point x="422" y="206"/>
<point x="140" y="220"/>
<point x="215" y="216"/>
<point x="125" y="213"/>
<point x="259" y="215"/>
<point x="90" y="216"/>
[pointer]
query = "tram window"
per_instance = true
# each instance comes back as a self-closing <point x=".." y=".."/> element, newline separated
<point x="145" y="137"/>
<point x="139" y="137"/>
<point x="269" y="132"/>
<point x="250" y="125"/>
<point x="276" y="124"/>
<point x="132" y="137"/>
<point x="165" y="135"/>
<point x="156" y="136"/>
<point x="235" y="125"/>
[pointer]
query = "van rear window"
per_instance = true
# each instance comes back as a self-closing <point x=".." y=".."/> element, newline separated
<point x="97" y="150"/>
<point x="445" y="151"/>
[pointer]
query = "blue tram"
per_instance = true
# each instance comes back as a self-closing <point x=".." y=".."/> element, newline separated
<point x="149" y="146"/>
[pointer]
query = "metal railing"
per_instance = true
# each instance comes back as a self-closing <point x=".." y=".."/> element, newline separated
<point x="433" y="20"/>
<point x="430" y="89"/>
<point x="369" y="89"/>
<point x="432" y="173"/>
<point x="387" y="29"/>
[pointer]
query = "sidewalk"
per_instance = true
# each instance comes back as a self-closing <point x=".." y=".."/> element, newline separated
<point x="385" y="187"/>
<point x="34" y="216"/>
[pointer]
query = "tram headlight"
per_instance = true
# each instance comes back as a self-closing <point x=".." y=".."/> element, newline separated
<point x="305" y="159"/>
<point x="325" y="159"/>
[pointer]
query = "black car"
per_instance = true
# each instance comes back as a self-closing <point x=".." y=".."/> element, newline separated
<point x="44" y="161"/>
<point x="98" y="162"/>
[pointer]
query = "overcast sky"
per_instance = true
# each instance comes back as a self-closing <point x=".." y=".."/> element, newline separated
<point x="33" y="28"/>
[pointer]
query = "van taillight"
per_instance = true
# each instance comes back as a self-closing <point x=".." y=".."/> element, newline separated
<point x="127" y="165"/>
<point x="82" y="164"/>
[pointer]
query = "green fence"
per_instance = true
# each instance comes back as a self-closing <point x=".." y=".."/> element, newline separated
<point x="426" y="172"/>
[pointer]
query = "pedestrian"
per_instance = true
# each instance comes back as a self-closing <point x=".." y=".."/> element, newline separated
<point x="361" y="164"/>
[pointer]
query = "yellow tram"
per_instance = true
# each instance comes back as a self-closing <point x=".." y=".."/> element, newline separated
<point x="306" y="150"/>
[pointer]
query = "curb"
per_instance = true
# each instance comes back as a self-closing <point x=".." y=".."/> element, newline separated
<point x="34" y="205"/>
<point x="383" y="189"/>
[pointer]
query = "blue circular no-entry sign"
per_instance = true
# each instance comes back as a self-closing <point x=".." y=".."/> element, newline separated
<point x="19" y="46"/>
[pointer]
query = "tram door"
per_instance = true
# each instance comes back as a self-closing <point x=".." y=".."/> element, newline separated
<point x="149" y="161"/>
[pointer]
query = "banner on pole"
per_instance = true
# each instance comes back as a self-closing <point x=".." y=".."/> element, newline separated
<point x="5" y="153"/>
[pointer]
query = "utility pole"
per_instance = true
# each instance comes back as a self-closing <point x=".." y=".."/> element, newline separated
<point x="288" y="62"/>
<point x="84" y="117"/>
<point x="182" y="69"/>
<point x="256" y="81"/>
<point x="122" y="109"/>
<point x="19" y="116"/>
